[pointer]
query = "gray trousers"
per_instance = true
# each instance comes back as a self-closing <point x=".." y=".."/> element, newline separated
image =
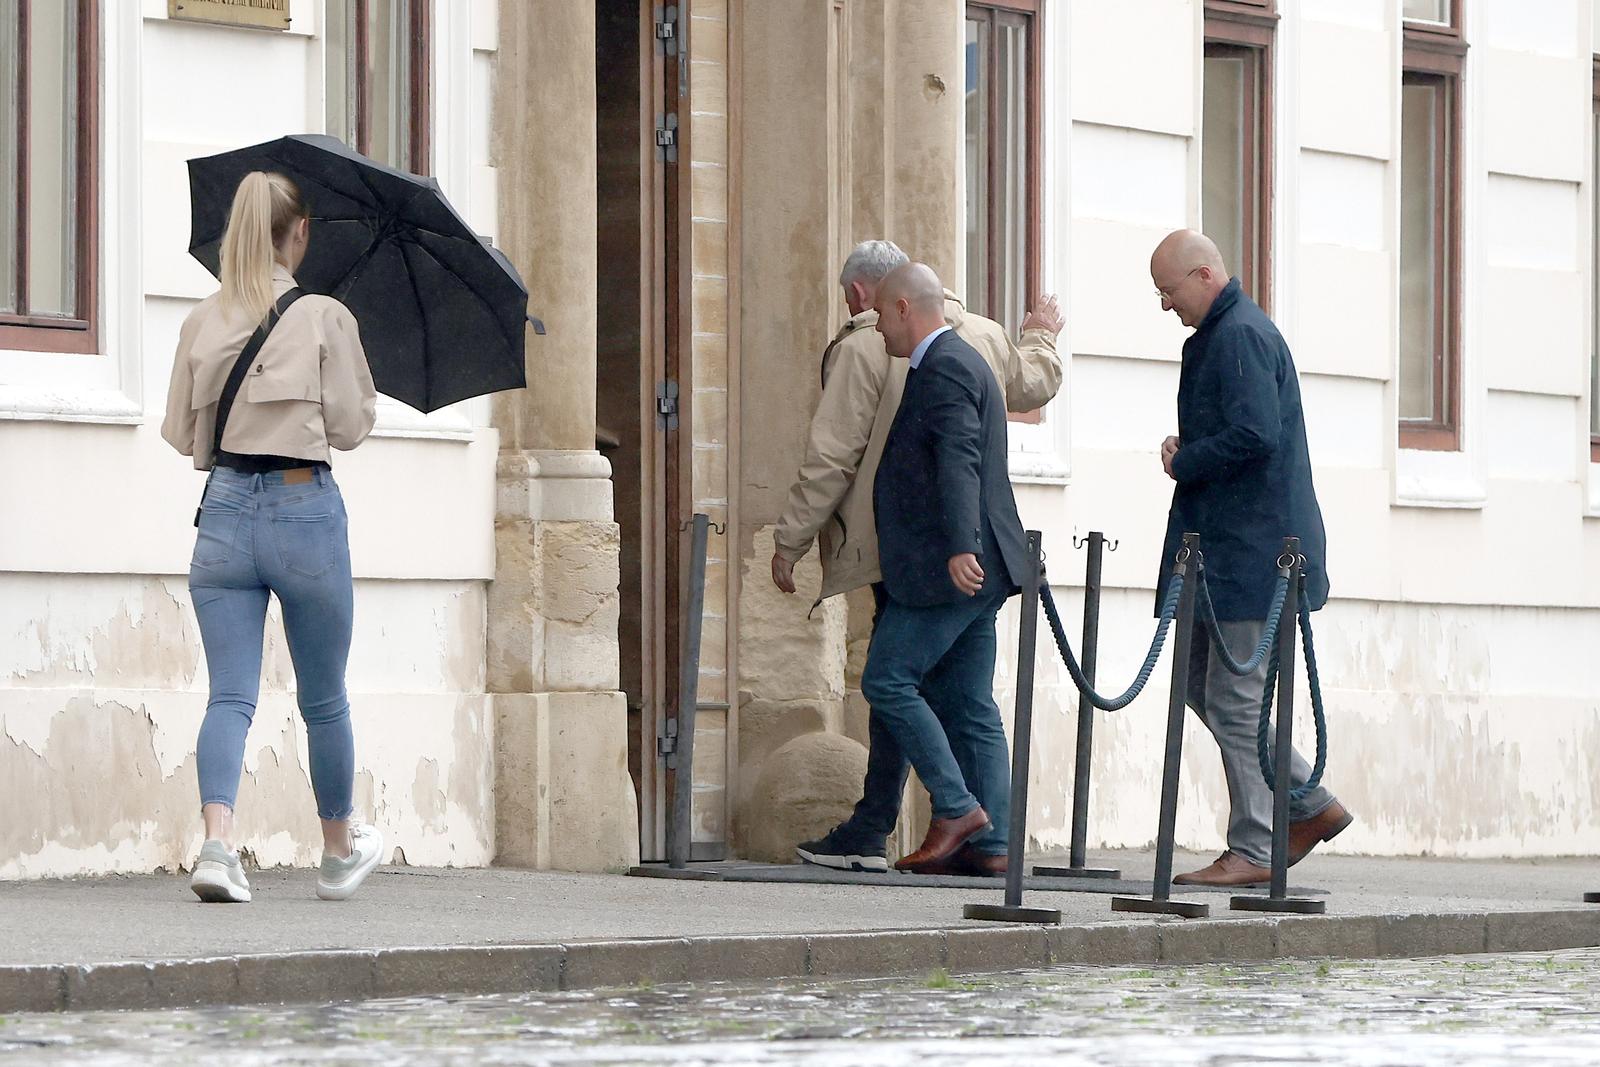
<point x="1230" y="706"/>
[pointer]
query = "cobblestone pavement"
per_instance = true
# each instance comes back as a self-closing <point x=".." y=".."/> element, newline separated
<point x="1456" y="1012"/>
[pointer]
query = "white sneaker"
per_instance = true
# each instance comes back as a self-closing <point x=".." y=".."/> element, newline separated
<point x="218" y="876"/>
<point x="340" y="878"/>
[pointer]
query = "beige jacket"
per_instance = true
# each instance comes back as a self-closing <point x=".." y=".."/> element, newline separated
<point x="831" y="501"/>
<point x="309" y="387"/>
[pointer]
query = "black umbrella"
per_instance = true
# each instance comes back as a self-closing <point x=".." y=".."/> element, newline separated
<point x="441" y="311"/>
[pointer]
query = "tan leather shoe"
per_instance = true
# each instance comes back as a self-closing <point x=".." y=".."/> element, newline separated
<point x="945" y="836"/>
<point x="1325" y="825"/>
<point x="1228" y="869"/>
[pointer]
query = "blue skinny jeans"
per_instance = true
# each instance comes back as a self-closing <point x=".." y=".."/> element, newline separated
<point x="259" y="536"/>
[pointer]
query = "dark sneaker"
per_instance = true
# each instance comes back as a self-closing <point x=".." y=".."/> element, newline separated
<point x="845" y="850"/>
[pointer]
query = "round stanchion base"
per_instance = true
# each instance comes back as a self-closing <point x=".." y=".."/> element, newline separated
<point x="1078" y="872"/>
<point x="1289" y="905"/>
<point x="1591" y="898"/>
<point x="1001" y="913"/>
<point x="1187" y="909"/>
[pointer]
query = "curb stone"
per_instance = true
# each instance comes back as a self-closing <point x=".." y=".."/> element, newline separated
<point x="1541" y="931"/>
<point x="871" y="955"/>
<point x="468" y="971"/>
<point x="331" y="976"/>
<point x="1218" y="941"/>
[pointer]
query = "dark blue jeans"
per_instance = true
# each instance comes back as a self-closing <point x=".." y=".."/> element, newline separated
<point x="260" y="537"/>
<point x="930" y="683"/>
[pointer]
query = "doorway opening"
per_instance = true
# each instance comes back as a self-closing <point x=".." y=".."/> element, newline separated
<point x="643" y="346"/>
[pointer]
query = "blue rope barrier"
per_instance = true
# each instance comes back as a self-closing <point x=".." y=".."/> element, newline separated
<point x="1169" y="609"/>
<point x="1263" y="745"/>
<point x="1269" y="636"/>
<point x="1270" y="643"/>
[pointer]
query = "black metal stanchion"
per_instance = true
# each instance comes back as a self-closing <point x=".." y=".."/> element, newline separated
<point x="680" y="830"/>
<point x="1021" y="748"/>
<point x="1077" y="867"/>
<point x="1160" y="901"/>
<point x="1278" y="898"/>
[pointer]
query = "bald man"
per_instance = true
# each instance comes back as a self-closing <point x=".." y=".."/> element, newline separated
<point x="1243" y="474"/>
<point x="949" y="541"/>
<point x="831" y="503"/>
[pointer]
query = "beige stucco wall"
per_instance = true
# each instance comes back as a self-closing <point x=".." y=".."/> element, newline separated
<point x="851" y="130"/>
<point x="563" y="795"/>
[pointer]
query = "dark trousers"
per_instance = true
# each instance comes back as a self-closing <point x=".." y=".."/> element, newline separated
<point x="943" y="660"/>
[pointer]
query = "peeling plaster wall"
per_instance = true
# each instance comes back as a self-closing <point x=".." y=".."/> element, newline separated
<point x="1452" y="731"/>
<point x="106" y="687"/>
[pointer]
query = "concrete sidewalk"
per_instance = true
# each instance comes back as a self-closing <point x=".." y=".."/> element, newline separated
<point x="145" y="942"/>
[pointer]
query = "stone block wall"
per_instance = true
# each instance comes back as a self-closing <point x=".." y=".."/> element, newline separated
<point x="715" y="395"/>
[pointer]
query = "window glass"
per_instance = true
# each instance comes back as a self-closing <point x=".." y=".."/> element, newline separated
<point x="1594" y="354"/>
<point x="977" y="165"/>
<point x="370" y="77"/>
<point x="1428" y="11"/>
<point x="52" y="123"/>
<point x="10" y="72"/>
<point x="388" y="57"/>
<point x="1223" y="169"/>
<point x="339" y="35"/>
<point x="1011" y="85"/>
<point x="1421" y="240"/>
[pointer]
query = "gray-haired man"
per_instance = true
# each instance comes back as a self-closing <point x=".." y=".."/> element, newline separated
<point x="831" y="502"/>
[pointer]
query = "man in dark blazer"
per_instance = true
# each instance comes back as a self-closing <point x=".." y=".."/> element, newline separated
<point x="1243" y="474"/>
<point x="949" y="540"/>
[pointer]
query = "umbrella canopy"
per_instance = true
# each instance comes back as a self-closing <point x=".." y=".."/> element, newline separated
<point x="441" y="311"/>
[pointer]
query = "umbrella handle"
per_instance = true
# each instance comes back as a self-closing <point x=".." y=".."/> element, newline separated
<point x="537" y="323"/>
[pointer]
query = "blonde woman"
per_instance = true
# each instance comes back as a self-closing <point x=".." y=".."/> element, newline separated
<point x="265" y="382"/>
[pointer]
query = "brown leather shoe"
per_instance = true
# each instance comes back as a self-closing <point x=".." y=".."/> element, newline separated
<point x="945" y="836"/>
<point x="966" y="861"/>
<point x="1307" y="834"/>
<point x="970" y="861"/>
<point x="1230" y="868"/>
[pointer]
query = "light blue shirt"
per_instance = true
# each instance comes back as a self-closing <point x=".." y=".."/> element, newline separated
<point x="922" y="346"/>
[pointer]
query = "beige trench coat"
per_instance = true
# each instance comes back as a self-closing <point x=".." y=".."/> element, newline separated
<point x="831" y="500"/>
<point x="308" y="390"/>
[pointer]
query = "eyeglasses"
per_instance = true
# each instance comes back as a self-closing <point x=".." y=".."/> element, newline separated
<point x="1166" y="294"/>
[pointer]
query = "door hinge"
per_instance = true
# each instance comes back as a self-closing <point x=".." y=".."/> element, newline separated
<point x="667" y="136"/>
<point x="667" y="743"/>
<point x="667" y="405"/>
<point x="667" y="29"/>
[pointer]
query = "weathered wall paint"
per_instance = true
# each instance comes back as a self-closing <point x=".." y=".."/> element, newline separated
<point x="1431" y="755"/>
<point x="105" y="693"/>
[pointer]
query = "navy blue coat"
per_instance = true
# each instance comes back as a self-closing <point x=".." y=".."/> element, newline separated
<point x="943" y="486"/>
<point x="1243" y="467"/>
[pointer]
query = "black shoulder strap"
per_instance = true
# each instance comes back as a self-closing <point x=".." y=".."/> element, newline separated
<point x="230" y="388"/>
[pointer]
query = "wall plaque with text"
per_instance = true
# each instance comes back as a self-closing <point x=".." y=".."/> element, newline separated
<point x="258" y="14"/>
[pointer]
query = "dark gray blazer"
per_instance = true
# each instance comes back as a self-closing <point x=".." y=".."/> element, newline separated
<point x="943" y="487"/>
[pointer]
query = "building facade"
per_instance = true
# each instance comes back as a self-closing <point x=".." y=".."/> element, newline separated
<point x="1407" y="185"/>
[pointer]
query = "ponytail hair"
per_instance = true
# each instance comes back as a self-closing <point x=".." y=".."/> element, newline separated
<point x="265" y="207"/>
